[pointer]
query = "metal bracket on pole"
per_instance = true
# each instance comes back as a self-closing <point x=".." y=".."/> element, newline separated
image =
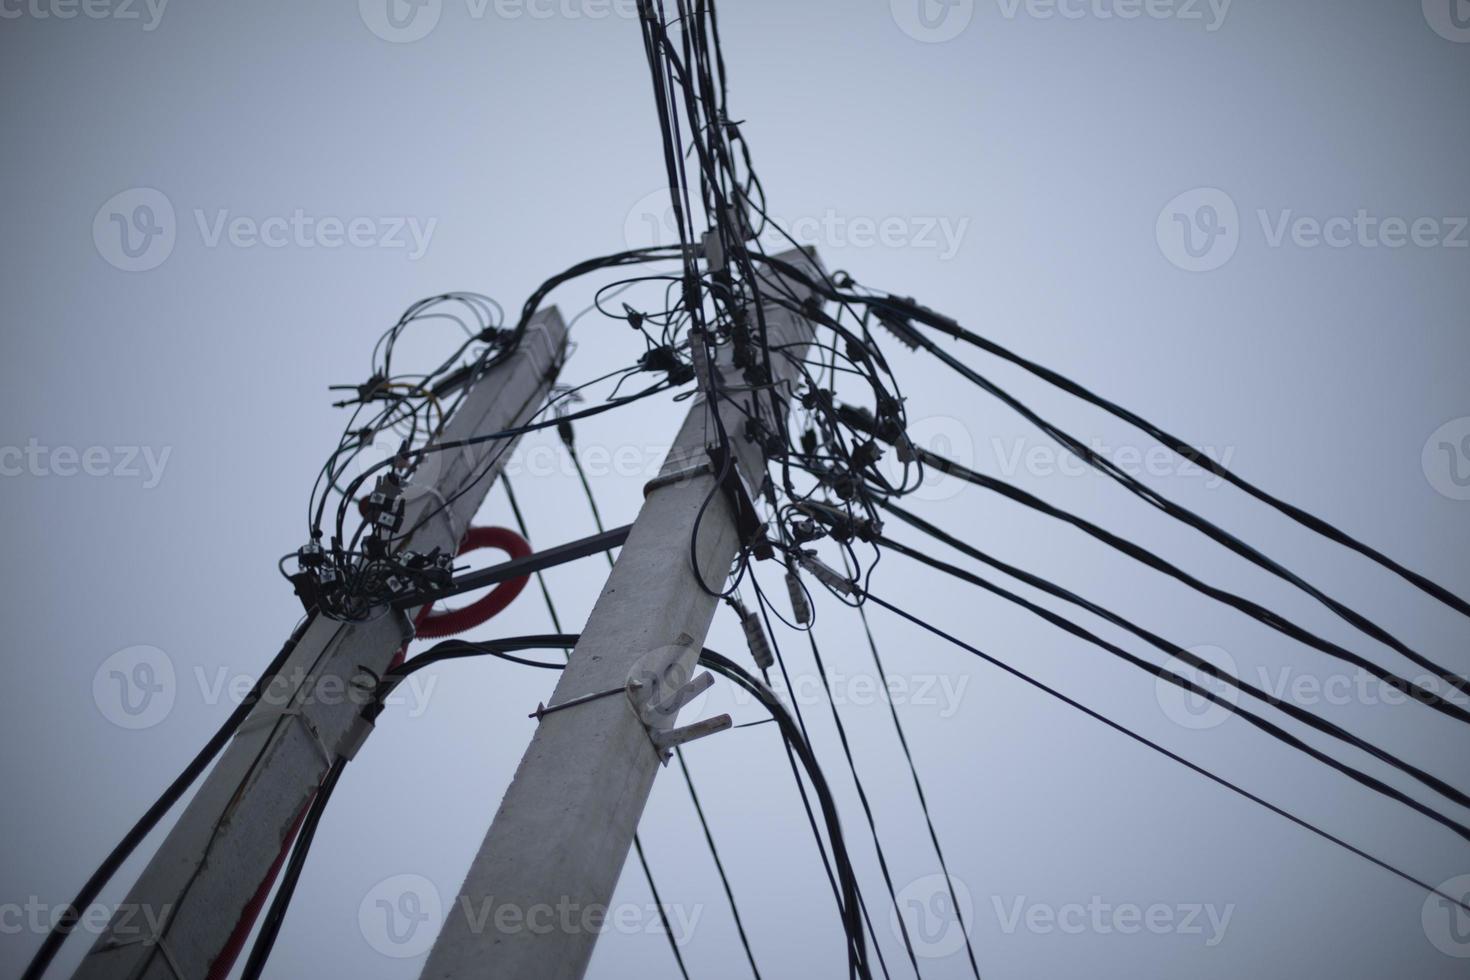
<point x="517" y="567"/>
<point x="543" y="709"/>
<point x="678" y="476"/>
<point x="658" y="687"/>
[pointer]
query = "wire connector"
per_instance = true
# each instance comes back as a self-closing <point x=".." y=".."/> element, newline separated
<point x="666" y="359"/>
<point x="699" y="353"/>
<point x="801" y="607"/>
<point x="755" y="635"/>
<point x="385" y="504"/>
<point x="898" y="325"/>
<point x="825" y="574"/>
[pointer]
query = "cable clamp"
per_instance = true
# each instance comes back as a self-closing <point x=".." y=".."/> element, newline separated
<point x="659" y="685"/>
<point x="684" y="473"/>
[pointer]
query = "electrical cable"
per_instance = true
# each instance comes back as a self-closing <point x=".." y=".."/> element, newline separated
<point x="1198" y="457"/>
<point x="66" y="921"/>
<point x="1162" y="673"/>
<point x="270" y="927"/>
<point x="919" y="791"/>
<point x="1254" y="610"/>
<point x="764" y="606"/>
<point x="795" y="773"/>
<point x="1296" y="712"/>
<point x="863" y="800"/>
<point x="568" y="438"/>
<point x="827" y="486"/>
<point x="567" y="652"/>
<point x="1462" y="903"/>
<point x="485" y="608"/>
<point x="1132" y="484"/>
<point x="719" y="865"/>
<point x="459" y="649"/>
<point x="1213" y="531"/>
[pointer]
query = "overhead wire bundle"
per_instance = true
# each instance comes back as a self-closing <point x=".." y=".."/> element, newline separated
<point x="349" y="574"/>
<point x="705" y="307"/>
<point x="903" y="317"/>
<point x="825" y="487"/>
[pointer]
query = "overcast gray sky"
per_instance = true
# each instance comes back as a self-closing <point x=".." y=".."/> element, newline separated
<point x="1245" y="220"/>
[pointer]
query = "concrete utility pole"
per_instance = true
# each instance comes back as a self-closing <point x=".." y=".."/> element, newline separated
<point x="552" y="857"/>
<point x="221" y="850"/>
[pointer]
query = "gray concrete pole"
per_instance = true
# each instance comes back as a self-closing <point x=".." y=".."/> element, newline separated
<point x="229" y="835"/>
<point x="529" y="907"/>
